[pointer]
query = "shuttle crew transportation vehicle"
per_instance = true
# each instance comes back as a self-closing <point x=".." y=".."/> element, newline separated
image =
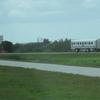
<point x="85" y="45"/>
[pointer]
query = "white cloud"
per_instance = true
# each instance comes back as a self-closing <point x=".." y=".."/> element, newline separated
<point x="90" y="3"/>
<point x="30" y="7"/>
<point x="43" y="9"/>
<point x="35" y="6"/>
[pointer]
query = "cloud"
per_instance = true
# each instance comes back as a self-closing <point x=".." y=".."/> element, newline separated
<point x="43" y="10"/>
<point x="36" y="6"/>
<point x="30" y="6"/>
<point x="91" y="3"/>
<point x="28" y="9"/>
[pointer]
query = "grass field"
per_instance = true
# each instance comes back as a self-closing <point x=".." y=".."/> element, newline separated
<point x="78" y="59"/>
<point x="28" y="84"/>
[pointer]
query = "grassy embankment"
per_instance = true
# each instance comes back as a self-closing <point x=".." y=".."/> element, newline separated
<point x="28" y="84"/>
<point x="78" y="59"/>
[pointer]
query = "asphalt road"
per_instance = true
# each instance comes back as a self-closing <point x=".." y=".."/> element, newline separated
<point x="86" y="71"/>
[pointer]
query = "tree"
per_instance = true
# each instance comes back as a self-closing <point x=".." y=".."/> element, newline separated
<point x="46" y="41"/>
<point x="7" y="46"/>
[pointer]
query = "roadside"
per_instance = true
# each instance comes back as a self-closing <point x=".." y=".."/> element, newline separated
<point x="73" y="59"/>
<point x="86" y="71"/>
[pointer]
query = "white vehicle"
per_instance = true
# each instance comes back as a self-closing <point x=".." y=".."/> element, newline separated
<point x="85" y="45"/>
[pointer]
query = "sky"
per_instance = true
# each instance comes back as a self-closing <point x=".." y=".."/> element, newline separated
<point x="24" y="21"/>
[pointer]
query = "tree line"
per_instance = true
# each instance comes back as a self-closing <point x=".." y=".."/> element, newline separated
<point x="44" y="46"/>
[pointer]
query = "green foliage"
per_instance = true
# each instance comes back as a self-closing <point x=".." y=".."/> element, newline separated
<point x="7" y="46"/>
<point x="61" y="46"/>
<point x="45" y="46"/>
<point x="28" y="84"/>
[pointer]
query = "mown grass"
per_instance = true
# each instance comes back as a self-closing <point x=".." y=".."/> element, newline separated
<point x="28" y="84"/>
<point x="78" y="59"/>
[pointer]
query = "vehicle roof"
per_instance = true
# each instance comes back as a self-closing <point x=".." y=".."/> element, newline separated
<point x="84" y="40"/>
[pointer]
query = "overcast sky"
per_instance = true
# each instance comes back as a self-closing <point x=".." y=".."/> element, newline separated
<point x="28" y="20"/>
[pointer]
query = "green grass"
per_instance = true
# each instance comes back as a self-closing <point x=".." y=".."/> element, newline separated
<point x="28" y="84"/>
<point x="78" y="59"/>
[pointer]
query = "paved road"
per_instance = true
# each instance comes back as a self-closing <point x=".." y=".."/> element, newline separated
<point x="86" y="71"/>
